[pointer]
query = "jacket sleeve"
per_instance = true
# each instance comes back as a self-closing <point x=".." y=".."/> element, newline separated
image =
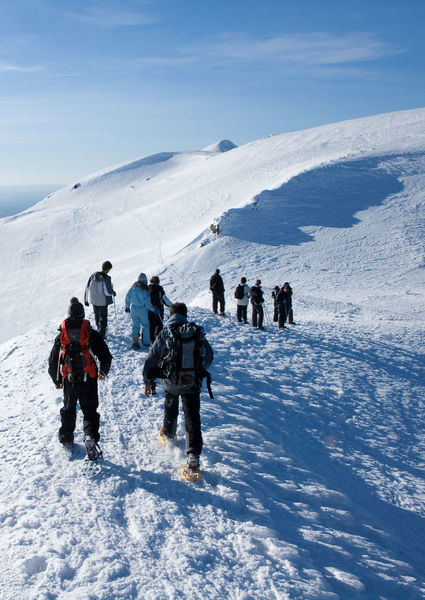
<point x="166" y="300"/>
<point x="109" y="287"/>
<point x="128" y="298"/>
<point x="86" y="291"/>
<point x="207" y="353"/>
<point x="154" y="356"/>
<point x="54" y="362"/>
<point x="101" y="350"/>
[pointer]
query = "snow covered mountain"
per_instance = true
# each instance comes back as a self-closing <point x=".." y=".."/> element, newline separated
<point x="313" y="483"/>
<point x="287" y="206"/>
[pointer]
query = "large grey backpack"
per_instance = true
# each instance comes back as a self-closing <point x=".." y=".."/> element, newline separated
<point x="182" y="363"/>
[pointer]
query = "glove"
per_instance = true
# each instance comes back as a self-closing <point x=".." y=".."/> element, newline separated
<point x="86" y="304"/>
<point x="156" y="311"/>
<point x="114" y="294"/>
<point x="127" y="310"/>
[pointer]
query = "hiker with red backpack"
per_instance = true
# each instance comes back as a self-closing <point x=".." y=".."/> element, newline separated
<point x="73" y="368"/>
<point x="242" y="300"/>
<point x="180" y="356"/>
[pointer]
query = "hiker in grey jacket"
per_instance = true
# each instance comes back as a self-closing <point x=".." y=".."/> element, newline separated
<point x="100" y="293"/>
<point x="175" y="387"/>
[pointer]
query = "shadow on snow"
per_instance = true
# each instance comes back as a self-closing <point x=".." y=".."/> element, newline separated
<point x="328" y="196"/>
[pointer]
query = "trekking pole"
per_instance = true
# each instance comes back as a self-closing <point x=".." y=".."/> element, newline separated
<point x="116" y="318"/>
<point x="266" y="313"/>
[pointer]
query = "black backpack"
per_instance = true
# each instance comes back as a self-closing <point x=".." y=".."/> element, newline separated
<point x="257" y="295"/>
<point x="182" y="364"/>
<point x="239" y="291"/>
<point x="156" y="294"/>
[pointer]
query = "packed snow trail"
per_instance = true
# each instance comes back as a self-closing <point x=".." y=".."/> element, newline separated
<point x="312" y="487"/>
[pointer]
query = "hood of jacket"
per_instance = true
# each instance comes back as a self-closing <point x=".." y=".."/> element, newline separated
<point x="176" y="319"/>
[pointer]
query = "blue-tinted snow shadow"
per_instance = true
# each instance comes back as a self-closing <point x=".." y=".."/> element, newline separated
<point x="328" y="196"/>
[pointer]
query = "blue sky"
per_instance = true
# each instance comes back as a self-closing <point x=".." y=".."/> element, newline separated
<point x="87" y="84"/>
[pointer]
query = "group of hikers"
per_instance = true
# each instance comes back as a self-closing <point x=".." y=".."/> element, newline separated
<point x="282" y="301"/>
<point x="179" y="353"/>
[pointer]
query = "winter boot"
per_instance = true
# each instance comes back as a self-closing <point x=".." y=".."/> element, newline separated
<point x="66" y="438"/>
<point x="193" y="462"/>
<point x="92" y="448"/>
<point x="136" y="344"/>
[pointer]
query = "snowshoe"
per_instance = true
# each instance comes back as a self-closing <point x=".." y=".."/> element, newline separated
<point x="93" y="449"/>
<point x="190" y="470"/>
<point x="164" y="439"/>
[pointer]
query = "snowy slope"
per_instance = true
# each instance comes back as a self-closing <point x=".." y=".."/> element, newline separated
<point x="314" y="461"/>
<point x="147" y="214"/>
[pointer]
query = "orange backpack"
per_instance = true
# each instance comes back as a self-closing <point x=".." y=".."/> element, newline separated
<point x="76" y="358"/>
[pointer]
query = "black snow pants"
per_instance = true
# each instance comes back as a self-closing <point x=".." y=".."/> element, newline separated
<point x="192" y="419"/>
<point x="86" y="393"/>
<point x="101" y="318"/>
<point x="282" y="314"/>
<point x="155" y="325"/>
<point x="241" y="313"/>
<point x="257" y="310"/>
<point x="218" y="297"/>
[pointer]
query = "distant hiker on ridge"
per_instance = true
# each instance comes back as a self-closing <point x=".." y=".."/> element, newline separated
<point x="180" y="356"/>
<point x="138" y="303"/>
<point x="100" y="292"/>
<point x="257" y="299"/>
<point x="242" y="300"/>
<point x="73" y="368"/>
<point x="217" y="289"/>
<point x="284" y="303"/>
<point x="158" y="300"/>
<point x="274" y="294"/>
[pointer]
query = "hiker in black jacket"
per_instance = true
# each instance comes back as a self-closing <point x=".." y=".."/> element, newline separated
<point x="158" y="300"/>
<point x="217" y="289"/>
<point x="178" y="381"/>
<point x="275" y="292"/>
<point x="79" y="382"/>
<point x="284" y="303"/>
<point x="257" y="299"/>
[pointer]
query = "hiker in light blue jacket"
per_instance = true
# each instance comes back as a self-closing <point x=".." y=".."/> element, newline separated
<point x="138" y="303"/>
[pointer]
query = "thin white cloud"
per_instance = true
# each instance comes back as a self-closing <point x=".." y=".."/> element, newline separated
<point x="8" y="67"/>
<point x="111" y="17"/>
<point x="309" y="51"/>
<point x="318" y="48"/>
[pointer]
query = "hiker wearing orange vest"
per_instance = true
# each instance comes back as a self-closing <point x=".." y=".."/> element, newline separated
<point x="73" y="368"/>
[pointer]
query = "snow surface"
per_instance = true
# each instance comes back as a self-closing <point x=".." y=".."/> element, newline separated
<point x="313" y="484"/>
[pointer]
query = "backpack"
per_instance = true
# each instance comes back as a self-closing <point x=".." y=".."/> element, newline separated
<point x="182" y="365"/>
<point x="76" y="356"/>
<point x="257" y="295"/>
<point x="239" y="291"/>
<point x="156" y="293"/>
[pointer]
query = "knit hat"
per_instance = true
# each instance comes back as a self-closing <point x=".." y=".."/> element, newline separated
<point x="76" y="310"/>
<point x="142" y="278"/>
